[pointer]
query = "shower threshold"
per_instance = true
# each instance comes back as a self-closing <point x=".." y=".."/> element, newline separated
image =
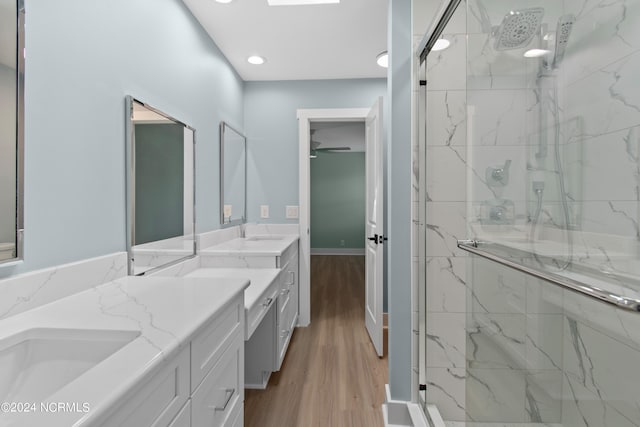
<point x="474" y="424"/>
<point x="435" y="420"/>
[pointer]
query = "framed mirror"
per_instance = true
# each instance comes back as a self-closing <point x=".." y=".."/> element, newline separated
<point x="12" y="17"/>
<point x="160" y="188"/>
<point x="233" y="176"/>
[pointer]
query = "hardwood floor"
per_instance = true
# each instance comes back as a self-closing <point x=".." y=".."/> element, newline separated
<point x="331" y="376"/>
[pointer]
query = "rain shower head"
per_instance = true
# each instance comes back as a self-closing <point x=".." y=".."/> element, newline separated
<point x="518" y="28"/>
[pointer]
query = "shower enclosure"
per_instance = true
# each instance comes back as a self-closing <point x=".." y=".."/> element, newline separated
<point x="529" y="195"/>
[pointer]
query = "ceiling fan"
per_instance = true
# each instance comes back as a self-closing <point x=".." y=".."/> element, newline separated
<point x="315" y="147"/>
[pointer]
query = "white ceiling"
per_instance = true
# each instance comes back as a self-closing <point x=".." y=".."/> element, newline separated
<point x="331" y="41"/>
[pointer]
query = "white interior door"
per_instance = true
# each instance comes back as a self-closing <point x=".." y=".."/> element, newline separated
<point x="374" y="258"/>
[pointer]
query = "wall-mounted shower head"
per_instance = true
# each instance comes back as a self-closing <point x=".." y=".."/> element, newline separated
<point x="518" y="28"/>
<point x="563" y="31"/>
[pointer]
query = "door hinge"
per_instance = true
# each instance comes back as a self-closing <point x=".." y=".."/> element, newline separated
<point x="423" y="82"/>
<point x="422" y="387"/>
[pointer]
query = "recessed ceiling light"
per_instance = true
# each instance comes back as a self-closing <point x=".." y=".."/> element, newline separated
<point x="383" y="59"/>
<point x="224" y="1"/>
<point x="440" y="44"/>
<point x="256" y="60"/>
<point x="299" y="2"/>
<point x="536" y="53"/>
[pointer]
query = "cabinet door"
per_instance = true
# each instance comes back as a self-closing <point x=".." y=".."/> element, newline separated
<point x="159" y="400"/>
<point x="215" y="402"/>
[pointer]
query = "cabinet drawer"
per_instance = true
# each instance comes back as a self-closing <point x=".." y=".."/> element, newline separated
<point x="258" y="311"/>
<point x="288" y="253"/>
<point x="288" y="277"/>
<point x="157" y="401"/>
<point x="214" y="339"/>
<point x="183" y="419"/>
<point x="217" y="399"/>
<point x="284" y="303"/>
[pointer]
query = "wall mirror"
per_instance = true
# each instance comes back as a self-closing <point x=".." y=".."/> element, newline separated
<point x="11" y="128"/>
<point x="233" y="176"/>
<point x="160" y="188"/>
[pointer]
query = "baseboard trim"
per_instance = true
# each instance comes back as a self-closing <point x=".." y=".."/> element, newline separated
<point x="337" y="251"/>
<point x="395" y="412"/>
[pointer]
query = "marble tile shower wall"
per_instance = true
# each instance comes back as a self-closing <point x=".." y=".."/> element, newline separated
<point x="537" y="353"/>
<point x="501" y="346"/>
<point x="445" y="221"/>
<point x="598" y="79"/>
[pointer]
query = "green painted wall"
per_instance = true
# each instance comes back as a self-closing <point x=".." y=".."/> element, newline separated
<point x="159" y="151"/>
<point x="338" y="200"/>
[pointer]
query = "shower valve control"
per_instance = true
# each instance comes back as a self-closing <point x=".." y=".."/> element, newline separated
<point x="498" y="176"/>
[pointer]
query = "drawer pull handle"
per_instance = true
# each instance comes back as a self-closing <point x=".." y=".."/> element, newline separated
<point x="267" y="302"/>
<point x="229" y="393"/>
<point x="285" y="333"/>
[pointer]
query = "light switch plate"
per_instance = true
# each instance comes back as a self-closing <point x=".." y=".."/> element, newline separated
<point x="292" y="212"/>
<point x="264" y="211"/>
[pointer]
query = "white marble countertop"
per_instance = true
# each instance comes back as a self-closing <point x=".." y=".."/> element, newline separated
<point x="256" y="245"/>
<point x="260" y="279"/>
<point x="167" y="311"/>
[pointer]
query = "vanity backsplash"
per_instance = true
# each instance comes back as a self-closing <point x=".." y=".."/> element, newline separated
<point x="30" y="290"/>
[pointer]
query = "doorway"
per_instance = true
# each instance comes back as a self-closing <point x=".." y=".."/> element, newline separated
<point x="338" y="188"/>
<point x="372" y="118"/>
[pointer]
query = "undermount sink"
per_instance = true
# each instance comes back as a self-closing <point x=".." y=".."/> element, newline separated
<point x="36" y="363"/>
<point x="259" y="238"/>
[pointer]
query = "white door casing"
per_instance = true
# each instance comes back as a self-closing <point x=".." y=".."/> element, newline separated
<point x="375" y="254"/>
<point x="305" y="117"/>
<point x="374" y="245"/>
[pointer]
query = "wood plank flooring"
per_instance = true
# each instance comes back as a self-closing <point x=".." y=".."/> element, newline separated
<point x="331" y="376"/>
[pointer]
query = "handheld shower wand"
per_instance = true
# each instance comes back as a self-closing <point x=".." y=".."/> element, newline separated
<point x="563" y="31"/>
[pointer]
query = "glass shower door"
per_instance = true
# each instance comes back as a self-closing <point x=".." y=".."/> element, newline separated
<point x="532" y="144"/>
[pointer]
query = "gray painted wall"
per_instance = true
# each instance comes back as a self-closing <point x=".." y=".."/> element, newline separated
<point x="399" y="200"/>
<point x="271" y="127"/>
<point x="338" y="200"/>
<point x="83" y="58"/>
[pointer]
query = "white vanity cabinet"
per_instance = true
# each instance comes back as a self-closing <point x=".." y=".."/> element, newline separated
<point x="271" y="308"/>
<point x="287" y="303"/>
<point x="203" y="385"/>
